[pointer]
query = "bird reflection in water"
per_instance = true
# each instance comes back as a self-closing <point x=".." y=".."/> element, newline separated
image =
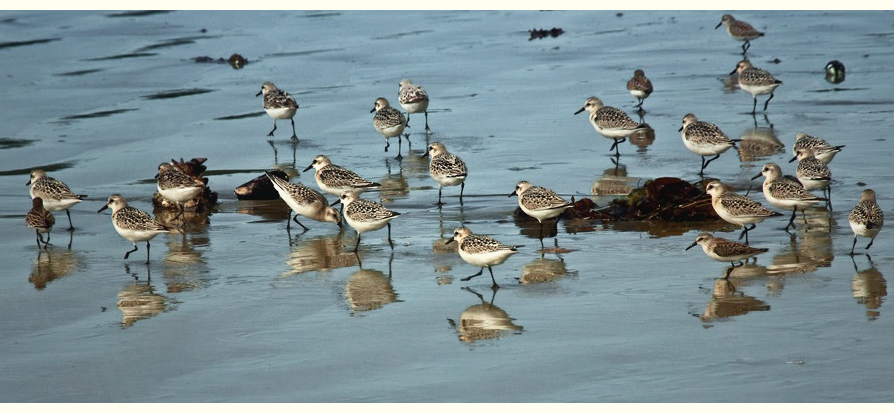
<point x="139" y="301"/>
<point x="614" y="182"/>
<point x="642" y="138"/>
<point x="369" y="290"/>
<point x="321" y="253"/>
<point x="483" y="321"/>
<point x="394" y="185"/>
<point x="758" y="143"/>
<point x="543" y="270"/>
<point x="51" y="264"/>
<point x="869" y="288"/>
<point x="183" y="264"/>
<point x="813" y="251"/>
<point x="727" y="302"/>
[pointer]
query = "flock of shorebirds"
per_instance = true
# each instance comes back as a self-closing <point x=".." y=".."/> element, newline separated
<point x="705" y="139"/>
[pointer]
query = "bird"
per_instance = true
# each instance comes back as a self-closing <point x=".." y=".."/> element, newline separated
<point x="539" y="202"/>
<point x="176" y="186"/>
<point x="737" y="209"/>
<point x="41" y="220"/>
<point x="304" y="201"/>
<point x="446" y="168"/>
<point x="481" y="251"/>
<point x="133" y="224"/>
<point x="739" y="30"/>
<point x="639" y="86"/>
<point x="812" y="172"/>
<point x="822" y="149"/>
<point x="704" y="139"/>
<point x="866" y="218"/>
<point x="724" y="250"/>
<point x="279" y="105"/>
<point x="610" y="122"/>
<point x="335" y="180"/>
<point x="414" y="99"/>
<point x="756" y="81"/>
<point x="364" y="215"/>
<point x="55" y="194"/>
<point x="388" y="121"/>
<point x="784" y="193"/>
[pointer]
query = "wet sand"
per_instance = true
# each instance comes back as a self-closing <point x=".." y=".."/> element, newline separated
<point x="239" y="311"/>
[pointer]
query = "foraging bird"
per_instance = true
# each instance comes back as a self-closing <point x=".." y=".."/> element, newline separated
<point x="737" y="209"/>
<point x="704" y="139"/>
<point x="41" y="220"/>
<point x="364" y="215"/>
<point x="55" y="194"/>
<point x="304" y="201"/>
<point x="335" y="180"/>
<point x="756" y="81"/>
<point x="784" y="193"/>
<point x="446" y="168"/>
<point x="133" y="224"/>
<point x="739" y="30"/>
<point x="176" y="186"/>
<point x="539" y="202"/>
<point x="481" y="251"/>
<point x="414" y="99"/>
<point x="388" y="121"/>
<point x="866" y="218"/>
<point x="724" y="250"/>
<point x="639" y="86"/>
<point x="822" y="149"/>
<point x="812" y="172"/>
<point x="279" y="105"/>
<point x="611" y="122"/>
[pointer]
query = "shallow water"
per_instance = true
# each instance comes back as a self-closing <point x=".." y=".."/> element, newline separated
<point x="237" y="311"/>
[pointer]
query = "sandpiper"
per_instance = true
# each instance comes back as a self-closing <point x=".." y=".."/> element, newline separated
<point x="446" y="168"/>
<point x="866" y="219"/>
<point x="813" y="173"/>
<point x="784" y="193"/>
<point x="414" y="99"/>
<point x="176" y="186"/>
<point x="364" y="215"/>
<point x="639" y="86"/>
<point x="279" y="105"/>
<point x="739" y="30"/>
<point x="737" y="209"/>
<point x="539" y="202"/>
<point x="334" y="179"/>
<point x="724" y="250"/>
<point x="822" y="149"/>
<point x="481" y="251"/>
<point x="41" y="220"/>
<point x="756" y="81"/>
<point x="304" y="201"/>
<point x="55" y="194"/>
<point x="133" y="224"/>
<point x="610" y="122"/>
<point x="388" y="121"/>
<point x="704" y="139"/>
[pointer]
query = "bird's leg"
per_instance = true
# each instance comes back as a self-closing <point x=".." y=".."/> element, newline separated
<point x="473" y="275"/>
<point x="767" y="102"/>
<point x="70" y="226"/>
<point x="128" y="252"/>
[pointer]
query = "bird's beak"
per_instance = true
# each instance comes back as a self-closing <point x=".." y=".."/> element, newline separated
<point x="680" y="130"/>
<point x="373" y="109"/>
<point x="340" y="225"/>
<point x="29" y="183"/>
<point x="337" y="201"/>
<point x="693" y="244"/>
<point x="793" y="159"/>
<point x="734" y="70"/>
<point x="449" y="241"/>
<point x="580" y="110"/>
<point x="425" y="156"/>
<point x="718" y="25"/>
<point x="104" y="207"/>
<point x="757" y="176"/>
<point x="308" y="167"/>
<point x="259" y="93"/>
<point x="511" y="194"/>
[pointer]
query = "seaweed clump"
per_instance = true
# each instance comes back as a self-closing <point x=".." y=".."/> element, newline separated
<point x="541" y="33"/>
<point x="662" y="199"/>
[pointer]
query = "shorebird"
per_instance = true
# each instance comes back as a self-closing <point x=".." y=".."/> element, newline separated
<point x="481" y="251"/>
<point x="446" y="168"/>
<point x="55" y="194"/>
<point x="739" y="30"/>
<point x="866" y="219"/>
<point x="414" y="99"/>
